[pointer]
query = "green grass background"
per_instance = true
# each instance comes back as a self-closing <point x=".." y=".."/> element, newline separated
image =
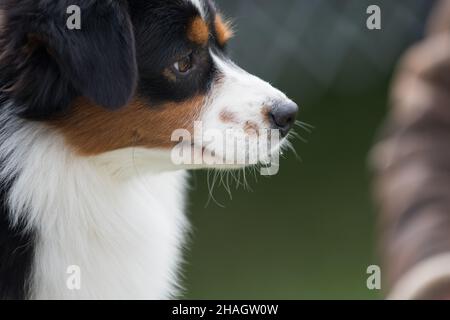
<point x="306" y="233"/>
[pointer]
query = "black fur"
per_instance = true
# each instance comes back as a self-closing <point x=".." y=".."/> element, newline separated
<point x="16" y="254"/>
<point x="161" y="39"/>
<point x="122" y="44"/>
<point x="44" y="65"/>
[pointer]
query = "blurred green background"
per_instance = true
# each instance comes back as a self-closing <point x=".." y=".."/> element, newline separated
<point x="310" y="231"/>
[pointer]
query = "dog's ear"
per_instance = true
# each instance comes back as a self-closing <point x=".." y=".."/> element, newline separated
<point x="48" y="61"/>
<point x="99" y="58"/>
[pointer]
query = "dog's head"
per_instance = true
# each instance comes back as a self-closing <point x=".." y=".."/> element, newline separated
<point x="133" y="73"/>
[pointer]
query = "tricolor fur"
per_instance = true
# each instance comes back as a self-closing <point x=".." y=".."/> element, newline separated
<point x="86" y="119"/>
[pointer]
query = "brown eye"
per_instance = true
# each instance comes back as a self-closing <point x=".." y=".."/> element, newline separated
<point x="184" y="65"/>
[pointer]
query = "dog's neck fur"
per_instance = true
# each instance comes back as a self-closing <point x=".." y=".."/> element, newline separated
<point x="123" y="231"/>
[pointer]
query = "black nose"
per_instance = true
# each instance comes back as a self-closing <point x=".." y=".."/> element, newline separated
<point x="283" y="117"/>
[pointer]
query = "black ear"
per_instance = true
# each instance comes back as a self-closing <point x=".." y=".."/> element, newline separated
<point x="99" y="59"/>
<point x="47" y="63"/>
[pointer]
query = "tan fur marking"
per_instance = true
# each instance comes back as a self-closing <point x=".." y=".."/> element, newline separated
<point x="169" y="75"/>
<point x="93" y="130"/>
<point x="198" y="31"/>
<point x="228" y="117"/>
<point x="265" y="111"/>
<point x="223" y="30"/>
<point x="251" y="128"/>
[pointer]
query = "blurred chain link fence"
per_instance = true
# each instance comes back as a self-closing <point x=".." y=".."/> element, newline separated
<point x="316" y="45"/>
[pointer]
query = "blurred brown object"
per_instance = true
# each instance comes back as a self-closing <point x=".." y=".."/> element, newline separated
<point x="412" y="169"/>
<point x="439" y="20"/>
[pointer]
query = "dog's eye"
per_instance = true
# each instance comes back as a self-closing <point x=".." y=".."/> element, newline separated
<point x="184" y="65"/>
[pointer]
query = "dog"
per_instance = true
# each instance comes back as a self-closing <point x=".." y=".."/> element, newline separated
<point x="91" y="205"/>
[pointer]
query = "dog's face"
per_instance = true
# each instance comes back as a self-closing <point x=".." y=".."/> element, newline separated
<point x="134" y="73"/>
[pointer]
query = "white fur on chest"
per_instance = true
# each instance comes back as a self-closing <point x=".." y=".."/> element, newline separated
<point x="126" y="240"/>
<point x="123" y="231"/>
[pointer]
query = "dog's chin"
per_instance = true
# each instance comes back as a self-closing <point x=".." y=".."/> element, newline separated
<point x="207" y="157"/>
